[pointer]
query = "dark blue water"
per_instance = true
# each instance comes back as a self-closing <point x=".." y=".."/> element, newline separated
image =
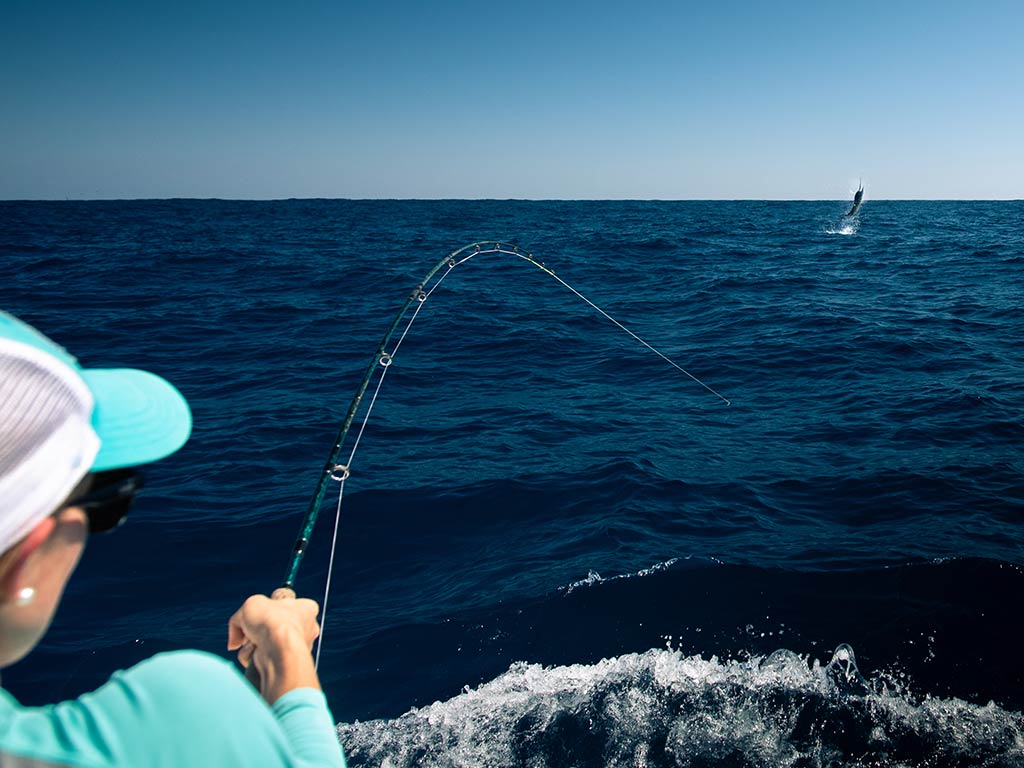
<point x="556" y="549"/>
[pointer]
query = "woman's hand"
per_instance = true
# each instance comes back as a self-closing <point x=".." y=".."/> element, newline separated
<point x="276" y="636"/>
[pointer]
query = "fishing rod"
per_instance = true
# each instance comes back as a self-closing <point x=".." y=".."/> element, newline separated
<point x="338" y="471"/>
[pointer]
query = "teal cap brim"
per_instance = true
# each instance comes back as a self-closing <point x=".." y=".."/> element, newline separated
<point x="139" y="417"/>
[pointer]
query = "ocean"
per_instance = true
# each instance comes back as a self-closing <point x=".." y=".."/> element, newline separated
<point x="554" y="547"/>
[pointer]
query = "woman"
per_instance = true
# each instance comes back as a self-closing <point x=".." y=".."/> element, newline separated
<point x="68" y="438"/>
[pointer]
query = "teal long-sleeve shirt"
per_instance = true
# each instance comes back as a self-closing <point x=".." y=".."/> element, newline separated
<point x="174" y="710"/>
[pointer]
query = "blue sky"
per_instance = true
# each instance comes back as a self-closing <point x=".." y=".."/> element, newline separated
<point x="637" y="99"/>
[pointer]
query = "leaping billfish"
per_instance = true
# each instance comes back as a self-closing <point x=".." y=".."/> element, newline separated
<point x="857" y="198"/>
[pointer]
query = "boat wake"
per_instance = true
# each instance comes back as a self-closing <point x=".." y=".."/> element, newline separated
<point x="663" y="708"/>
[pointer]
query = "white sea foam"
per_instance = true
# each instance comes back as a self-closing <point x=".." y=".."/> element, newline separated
<point x="593" y="577"/>
<point x="662" y="708"/>
<point x="845" y="227"/>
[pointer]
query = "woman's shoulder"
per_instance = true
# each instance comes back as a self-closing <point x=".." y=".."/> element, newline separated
<point x="185" y="703"/>
<point x="181" y="708"/>
<point x="193" y="705"/>
<point x="194" y="681"/>
<point x="171" y="664"/>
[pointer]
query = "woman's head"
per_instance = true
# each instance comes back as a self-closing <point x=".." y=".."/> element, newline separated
<point x="62" y="428"/>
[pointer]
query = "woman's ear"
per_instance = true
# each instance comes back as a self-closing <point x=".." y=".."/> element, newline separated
<point x="12" y="564"/>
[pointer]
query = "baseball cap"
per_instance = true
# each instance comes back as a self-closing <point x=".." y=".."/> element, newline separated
<point x="59" y="421"/>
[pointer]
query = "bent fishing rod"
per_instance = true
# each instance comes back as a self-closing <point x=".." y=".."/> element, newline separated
<point x="337" y="470"/>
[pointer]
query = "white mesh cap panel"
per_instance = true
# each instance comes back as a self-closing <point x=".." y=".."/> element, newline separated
<point x="47" y="443"/>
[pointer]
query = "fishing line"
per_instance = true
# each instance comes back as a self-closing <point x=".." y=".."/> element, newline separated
<point x="381" y="362"/>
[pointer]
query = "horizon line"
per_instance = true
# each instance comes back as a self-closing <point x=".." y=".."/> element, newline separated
<point x="511" y="199"/>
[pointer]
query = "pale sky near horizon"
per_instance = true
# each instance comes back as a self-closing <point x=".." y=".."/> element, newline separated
<point x="525" y="99"/>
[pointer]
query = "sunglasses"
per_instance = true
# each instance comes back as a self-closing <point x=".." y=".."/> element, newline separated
<point x="109" y="498"/>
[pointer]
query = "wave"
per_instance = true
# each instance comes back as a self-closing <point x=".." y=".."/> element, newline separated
<point x="593" y="577"/>
<point x="664" y="708"/>
<point x="940" y="627"/>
